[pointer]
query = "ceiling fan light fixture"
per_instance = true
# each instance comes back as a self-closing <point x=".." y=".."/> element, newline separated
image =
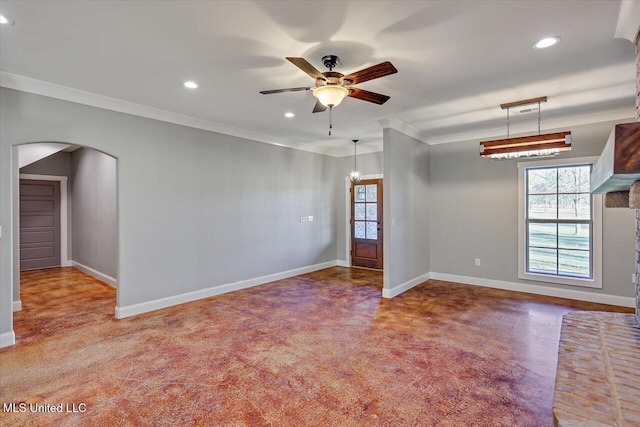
<point x="330" y="95"/>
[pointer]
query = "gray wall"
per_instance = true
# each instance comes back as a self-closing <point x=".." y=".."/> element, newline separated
<point x="474" y="214"/>
<point x="406" y="208"/>
<point x="368" y="164"/>
<point x="94" y="210"/>
<point x="197" y="209"/>
<point x="58" y="164"/>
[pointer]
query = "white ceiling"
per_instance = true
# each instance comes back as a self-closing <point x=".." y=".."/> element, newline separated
<point x="456" y="60"/>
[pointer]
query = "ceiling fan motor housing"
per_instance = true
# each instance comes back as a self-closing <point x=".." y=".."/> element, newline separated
<point x="330" y="61"/>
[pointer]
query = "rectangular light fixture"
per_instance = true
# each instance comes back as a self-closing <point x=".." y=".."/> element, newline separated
<point x="549" y="144"/>
<point x="546" y="145"/>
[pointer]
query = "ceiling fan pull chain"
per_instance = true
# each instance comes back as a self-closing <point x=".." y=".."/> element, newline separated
<point x="330" y="118"/>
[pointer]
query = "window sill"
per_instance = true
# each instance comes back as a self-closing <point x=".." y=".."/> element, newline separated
<point x="585" y="283"/>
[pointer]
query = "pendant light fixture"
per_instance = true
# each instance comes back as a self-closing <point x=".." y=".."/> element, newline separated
<point x="547" y="145"/>
<point x="355" y="176"/>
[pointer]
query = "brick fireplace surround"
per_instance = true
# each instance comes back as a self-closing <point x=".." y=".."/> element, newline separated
<point x="598" y="379"/>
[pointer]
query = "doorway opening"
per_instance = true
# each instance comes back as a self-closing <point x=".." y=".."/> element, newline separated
<point x="65" y="215"/>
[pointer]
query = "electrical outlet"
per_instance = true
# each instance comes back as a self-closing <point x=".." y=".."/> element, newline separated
<point x="304" y="219"/>
<point x="477" y="262"/>
<point x="310" y="218"/>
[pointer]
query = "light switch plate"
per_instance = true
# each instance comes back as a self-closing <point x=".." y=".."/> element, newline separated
<point x="310" y="218"/>
<point x="304" y="219"/>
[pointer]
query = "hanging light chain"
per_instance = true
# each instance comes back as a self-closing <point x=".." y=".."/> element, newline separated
<point x="539" y="113"/>
<point x="355" y="159"/>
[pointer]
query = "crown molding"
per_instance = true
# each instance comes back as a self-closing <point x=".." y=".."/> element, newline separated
<point x="585" y="119"/>
<point x="628" y="20"/>
<point x="402" y="127"/>
<point x="40" y="87"/>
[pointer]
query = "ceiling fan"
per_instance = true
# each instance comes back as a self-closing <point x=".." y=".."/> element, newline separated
<point x="332" y="87"/>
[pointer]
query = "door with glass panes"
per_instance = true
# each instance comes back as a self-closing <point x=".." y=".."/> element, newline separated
<point x="366" y="223"/>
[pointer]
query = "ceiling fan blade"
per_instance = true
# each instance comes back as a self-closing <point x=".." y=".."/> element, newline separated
<point x="365" y="95"/>
<point x="304" y="65"/>
<point x="319" y="107"/>
<point x="373" y="72"/>
<point x="290" y="89"/>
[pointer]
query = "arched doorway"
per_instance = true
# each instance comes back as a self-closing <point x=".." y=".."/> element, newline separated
<point x="88" y="222"/>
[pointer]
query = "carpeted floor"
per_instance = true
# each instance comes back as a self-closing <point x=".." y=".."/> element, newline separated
<point x="322" y="349"/>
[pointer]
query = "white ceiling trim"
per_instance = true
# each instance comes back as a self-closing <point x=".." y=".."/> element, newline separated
<point x="402" y="127"/>
<point x="40" y="87"/>
<point x="628" y="20"/>
<point x="564" y="122"/>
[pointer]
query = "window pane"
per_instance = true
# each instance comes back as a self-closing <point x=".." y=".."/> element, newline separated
<point x="541" y="234"/>
<point x="542" y="261"/>
<point x="372" y="230"/>
<point x="561" y="244"/>
<point x="574" y="263"/>
<point x="574" y="206"/>
<point x="573" y="236"/>
<point x="372" y="193"/>
<point x="359" y="193"/>
<point x="542" y="181"/>
<point x="543" y="207"/>
<point x="372" y="211"/>
<point x="359" y="230"/>
<point x="575" y="179"/>
<point x="358" y="213"/>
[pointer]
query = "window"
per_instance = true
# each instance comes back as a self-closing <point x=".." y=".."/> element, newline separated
<point x="560" y="224"/>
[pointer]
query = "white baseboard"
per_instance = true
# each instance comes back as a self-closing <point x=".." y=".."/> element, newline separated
<point x="134" y="309"/>
<point x="17" y="305"/>
<point x="95" y="273"/>
<point x="7" y="339"/>
<point x="343" y="263"/>
<point x="397" y="290"/>
<point x="538" y="290"/>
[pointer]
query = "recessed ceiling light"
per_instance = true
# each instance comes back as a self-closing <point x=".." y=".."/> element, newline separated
<point x="546" y="42"/>
<point x="289" y="115"/>
<point x="191" y="85"/>
<point x="5" y="20"/>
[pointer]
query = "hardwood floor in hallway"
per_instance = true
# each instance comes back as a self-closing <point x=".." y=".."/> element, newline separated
<point x="321" y="349"/>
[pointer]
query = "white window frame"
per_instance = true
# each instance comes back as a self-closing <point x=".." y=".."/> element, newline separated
<point x="596" y="281"/>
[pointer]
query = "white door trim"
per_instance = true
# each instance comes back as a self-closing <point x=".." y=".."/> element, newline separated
<point x="347" y="215"/>
<point x="64" y="253"/>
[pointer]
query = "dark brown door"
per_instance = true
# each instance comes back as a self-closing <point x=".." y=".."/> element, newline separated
<point x="39" y="224"/>
<point x="366" y="223"/>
